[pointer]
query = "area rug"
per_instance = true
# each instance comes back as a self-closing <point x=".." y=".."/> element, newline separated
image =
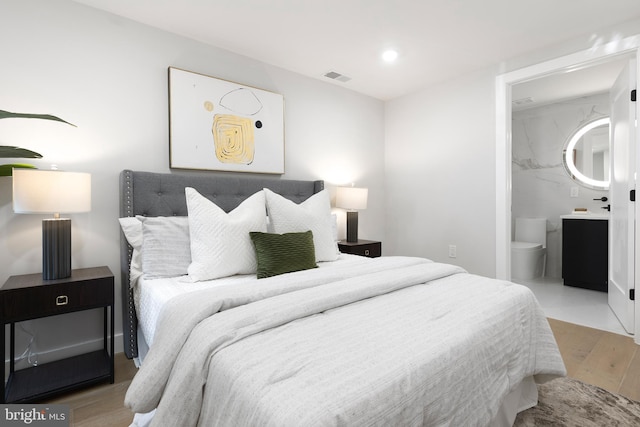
<point x="569" y="402"/>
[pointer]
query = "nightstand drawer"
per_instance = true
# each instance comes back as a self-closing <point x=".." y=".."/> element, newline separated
<point x="368" y="248"/>
<point x="48" y="299"/>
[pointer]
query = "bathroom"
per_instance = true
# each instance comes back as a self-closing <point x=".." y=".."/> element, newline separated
<point x="543" y="120"/>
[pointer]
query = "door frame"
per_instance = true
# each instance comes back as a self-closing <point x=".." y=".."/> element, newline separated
<point x="504" y="82"/>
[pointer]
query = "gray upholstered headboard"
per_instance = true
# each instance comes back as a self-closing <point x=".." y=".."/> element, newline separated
<point x="162" y="194"/>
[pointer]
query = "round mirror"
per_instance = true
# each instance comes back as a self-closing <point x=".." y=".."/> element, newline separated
<point x="586" y="155"/>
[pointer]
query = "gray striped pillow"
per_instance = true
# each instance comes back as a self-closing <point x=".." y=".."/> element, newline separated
<point x="166" y="251"/>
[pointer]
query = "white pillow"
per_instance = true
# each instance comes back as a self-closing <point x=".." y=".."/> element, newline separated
<point x="132" y="229"/>
<point x="334" y="226"/>
<point x="313" y="214"/>
<point x="220" y="242"/>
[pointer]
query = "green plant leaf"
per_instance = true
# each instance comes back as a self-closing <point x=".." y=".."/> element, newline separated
<point x="8" y="115"/>
<point x="7" y="151"/>
<point x="7" y="170"/>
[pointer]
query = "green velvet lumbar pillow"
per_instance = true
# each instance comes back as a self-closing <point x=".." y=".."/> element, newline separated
<point x="283" y="253"/>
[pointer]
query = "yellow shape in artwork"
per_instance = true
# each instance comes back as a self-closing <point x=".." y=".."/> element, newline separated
<point x="233" y="139"/>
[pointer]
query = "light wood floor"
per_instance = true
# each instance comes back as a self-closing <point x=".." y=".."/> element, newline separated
<point x="102" y="405"/>
<point x="605" y="359"/>
<point x="608" y="360"/>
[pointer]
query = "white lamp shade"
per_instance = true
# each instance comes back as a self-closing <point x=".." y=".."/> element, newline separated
<point x="45" y="191"/>
<point x="352" y="198"/>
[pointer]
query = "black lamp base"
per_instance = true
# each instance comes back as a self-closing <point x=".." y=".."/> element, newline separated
<point x="352" y="226"/>
<point x="56" y="248"/>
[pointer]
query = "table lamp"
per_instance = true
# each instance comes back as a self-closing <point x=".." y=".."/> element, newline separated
<point x="352" y="199"/>
<point x="51" y="191"/>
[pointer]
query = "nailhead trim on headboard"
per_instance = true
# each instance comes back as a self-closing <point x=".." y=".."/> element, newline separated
<point x="130" y="323"/>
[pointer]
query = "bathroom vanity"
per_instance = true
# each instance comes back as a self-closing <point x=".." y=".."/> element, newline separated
<point x="585" y="250"/>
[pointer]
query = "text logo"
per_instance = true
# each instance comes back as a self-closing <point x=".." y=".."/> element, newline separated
<point x="35" y="415"/>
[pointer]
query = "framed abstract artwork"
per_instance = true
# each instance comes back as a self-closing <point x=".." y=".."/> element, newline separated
<point x="220" y="125"/>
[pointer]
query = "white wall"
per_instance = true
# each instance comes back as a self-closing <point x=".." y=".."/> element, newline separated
<point x="440" y="173"/>
<point x="441" y="149"/>
<point x="108" y="76"/>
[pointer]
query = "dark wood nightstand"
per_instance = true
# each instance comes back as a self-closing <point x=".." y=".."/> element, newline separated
<point x="368" y="248"/>
<point x="28" y="297"/>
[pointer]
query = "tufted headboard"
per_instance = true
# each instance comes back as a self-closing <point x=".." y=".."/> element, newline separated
<point x="162" y="194"/>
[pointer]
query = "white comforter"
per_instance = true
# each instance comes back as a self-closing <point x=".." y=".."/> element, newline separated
<point x="402" y="341"/>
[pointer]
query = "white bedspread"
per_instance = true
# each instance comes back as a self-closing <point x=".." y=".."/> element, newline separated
<point x="402" y="341"/>
<point x="152" y="295"/>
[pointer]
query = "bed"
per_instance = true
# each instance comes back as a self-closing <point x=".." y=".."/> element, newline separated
<point x="271" y="325"/>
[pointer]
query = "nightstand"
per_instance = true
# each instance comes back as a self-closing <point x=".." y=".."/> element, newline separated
<point x="368" y="248"/>
<point x="28" y="297"/>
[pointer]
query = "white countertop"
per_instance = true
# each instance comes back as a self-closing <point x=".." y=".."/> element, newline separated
<point x="586" y="215"/>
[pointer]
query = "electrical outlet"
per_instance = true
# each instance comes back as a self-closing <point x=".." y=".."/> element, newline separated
<point x="452" y="251"/>
<point x="575" y="191"/>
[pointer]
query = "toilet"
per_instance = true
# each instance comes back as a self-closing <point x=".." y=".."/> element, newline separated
<point x="529" y="249"/>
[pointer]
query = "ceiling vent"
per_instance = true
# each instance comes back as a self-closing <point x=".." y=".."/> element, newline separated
<point x="337" y="76"/>
<point x="523" y="101"/>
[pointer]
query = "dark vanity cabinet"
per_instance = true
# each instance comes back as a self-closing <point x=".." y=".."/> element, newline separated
<point x="585" y="249"/>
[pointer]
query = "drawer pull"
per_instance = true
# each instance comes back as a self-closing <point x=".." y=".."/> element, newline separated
<point x="366" y="252"/>
<point x="62" y="300"/>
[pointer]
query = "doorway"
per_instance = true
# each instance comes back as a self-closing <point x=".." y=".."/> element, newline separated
<point x="504" y="85"/>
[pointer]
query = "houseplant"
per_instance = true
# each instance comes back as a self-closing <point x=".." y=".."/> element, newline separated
<point x="7" y="151"/>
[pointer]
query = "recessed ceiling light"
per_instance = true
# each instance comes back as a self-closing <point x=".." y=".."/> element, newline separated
<point x="390" y="55"/>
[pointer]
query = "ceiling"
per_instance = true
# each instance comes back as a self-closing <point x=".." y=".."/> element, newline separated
<point x="436" y="39"/>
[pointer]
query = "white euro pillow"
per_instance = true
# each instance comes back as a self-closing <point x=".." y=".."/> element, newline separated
<point x="132" y="229"/>
<point x="220" y="242"/>
<point x="313" y="214"/>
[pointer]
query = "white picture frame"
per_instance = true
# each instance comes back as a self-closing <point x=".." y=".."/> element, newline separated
<point x="220" y="125"/>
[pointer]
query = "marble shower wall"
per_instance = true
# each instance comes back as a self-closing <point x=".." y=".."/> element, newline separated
<point x="540" y="185"/>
